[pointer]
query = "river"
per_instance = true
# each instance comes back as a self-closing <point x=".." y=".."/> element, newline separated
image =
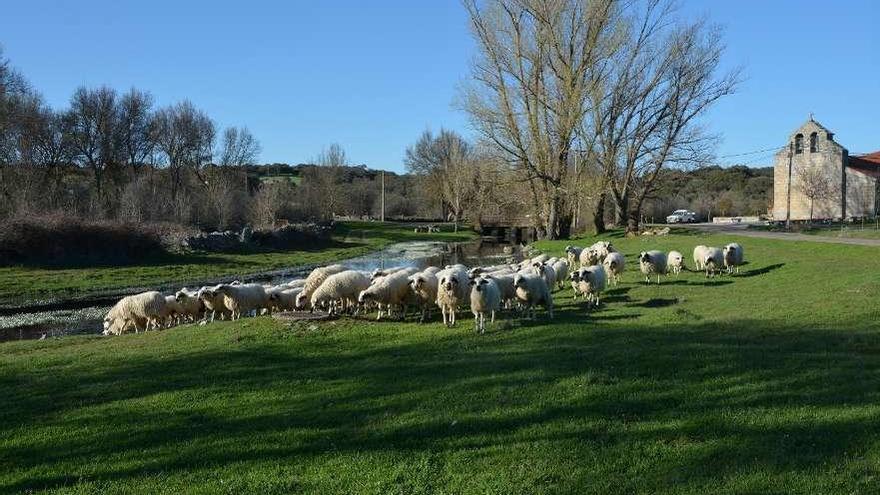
<point x="84" y="315"/>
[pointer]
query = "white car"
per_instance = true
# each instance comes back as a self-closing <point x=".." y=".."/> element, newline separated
<point x="682" y="216"/>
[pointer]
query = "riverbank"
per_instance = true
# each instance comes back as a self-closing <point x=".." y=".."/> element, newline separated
<point x="28" y="285"/>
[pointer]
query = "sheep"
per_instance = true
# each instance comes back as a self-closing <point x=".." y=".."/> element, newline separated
<point x="504" y="280"/>
<point x="193" y="307"/>
<point x="532" y="290"/>
<point x="452" y="290"/>
<point x="243" y="298"/>
<point x="546" y="272"/>
<point x="140" y="310"/>
<point x="713" y="261"/>
<point x="389" y="291"/>
<point x="173" y="313"/>
<point x="614" y="264"/>
<point x="384" y="272"/>
<point x="485" y="298"/>
<point x="674" y="262"/>
<point x="733" y="257"/>
<point x="652" y="262"/>
<point x="213" y="303"/>
<point x="573" y="254"/>
<point x="314" y="280"/>
<point x="295" y="283"/>
<point x="560" y="267"/>
<point x="592" y="281"/>
<point x="424" y="287"/>
<point x="602" y="249"/>
<point x="340" y="289"/>
<point x="700" y="257"/>
<point x="540" y="258"/>
<point x="589" y="257"/>
<point x="284" y="300"/>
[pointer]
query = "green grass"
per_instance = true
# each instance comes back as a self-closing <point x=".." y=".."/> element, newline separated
<point x="766" y="382"/>
<point x="21" y="283"/>
<point x="854" y="231"/>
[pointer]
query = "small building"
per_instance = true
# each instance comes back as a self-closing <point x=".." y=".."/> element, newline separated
<point x="814" y="168"/>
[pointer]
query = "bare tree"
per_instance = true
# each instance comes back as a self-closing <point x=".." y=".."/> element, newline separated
<point x="185" y="139"/>
<point x="238" y="147"/>
<point x="92" y="123"/>
<point x="531" y="78"/>
<point x="328" y="179"/>
<point x="445" y="165"/>
<point x="136" y="127"/>
<point x="814" y="182"/>
<point x="661" y="78"/>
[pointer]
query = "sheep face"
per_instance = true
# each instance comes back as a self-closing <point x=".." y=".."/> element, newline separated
<point x="365" y="296"/>
<point x="644" y="257"/>
<point x="479" y="284"/>
<point x="575" y="276"/>
<point x="449" y="283"/>
<point x="300" y="300"/>
<point x="416" y="283"/>
<point x="519" y="281"/>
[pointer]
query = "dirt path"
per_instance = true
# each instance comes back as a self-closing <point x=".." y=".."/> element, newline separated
<point x="743" y="230"/>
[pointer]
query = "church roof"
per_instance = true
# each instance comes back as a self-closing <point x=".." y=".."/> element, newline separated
<point x="868" y="163"/>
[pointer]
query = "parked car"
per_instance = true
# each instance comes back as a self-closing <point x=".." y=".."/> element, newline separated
<point x="682" y="216"/>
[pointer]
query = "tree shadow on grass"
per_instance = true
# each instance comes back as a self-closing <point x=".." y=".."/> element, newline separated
<point x="753" y="391"/>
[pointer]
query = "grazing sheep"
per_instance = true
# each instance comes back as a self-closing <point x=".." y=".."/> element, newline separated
<point x="243" y="298"/>
<point x="384" y="272"/>
<point x="213" y="303"/>
<point x="340" y="290"/>
<point x="602" y="249"/>
<point x="452" y="290"/>
<point x="573" y="254"/>
<point x="284" y="300"/>
<point x="614" y="264"/>
<point x="592" y="281"/>
<point x="674" y="262"/>
<point x="733" y="257"/>
<point x="700" y="257"/>
<point x="388" y="291"/>
<point x="173" y="313"/>
<point x="504" y="280"/>
<point x="193" y="307"/>
<point x="142" y="311"/>
<point x="424" y="287"/>
<point x="652" y="262"/>
<point x="713" y="261"/>
<point x="485" y="298"/>
<point x="295" y="283"/>
<point x="541" y="258"/>
<point x="560" y="267"/>
<point x="532" y="290"/>
<point x="314" y="280"/>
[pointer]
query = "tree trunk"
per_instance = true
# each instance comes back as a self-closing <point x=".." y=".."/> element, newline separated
<point x="621" y="210"/>
<point x="550" y="228"/>
<point x="632" y="221"/>
<point x="599" y="215"/>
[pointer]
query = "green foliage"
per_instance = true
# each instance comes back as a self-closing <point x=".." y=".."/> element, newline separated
<point x="764" y="382"/>
<point x="736" y="190"/>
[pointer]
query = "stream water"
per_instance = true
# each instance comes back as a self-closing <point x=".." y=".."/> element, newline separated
<point x="84" y="315"/>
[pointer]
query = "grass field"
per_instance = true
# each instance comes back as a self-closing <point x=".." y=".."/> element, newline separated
<point x="854" y="231"/>
<point x="350" y="239"/>
<point x="766" y="382"/>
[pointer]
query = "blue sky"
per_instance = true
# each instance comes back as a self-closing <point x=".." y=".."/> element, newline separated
<point x="373" y="75"/>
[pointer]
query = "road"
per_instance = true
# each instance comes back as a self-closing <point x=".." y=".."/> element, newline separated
<point x="741" y="229"/>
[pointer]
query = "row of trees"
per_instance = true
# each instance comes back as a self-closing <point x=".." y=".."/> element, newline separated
<point x="582" y="102"/>
<point x="111" y="155"/>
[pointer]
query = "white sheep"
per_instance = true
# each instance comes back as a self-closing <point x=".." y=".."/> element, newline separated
<point x="593" y="281"/>
<point x="485" y="298"/>
<point x="532" y="290"/>
<point x="541" y="258"/>
<point x="284" y="300"/>
<point x="452" y="290"/>
<point x="340" y="290"/>
<point x="713" y="261"/>
<point x="424" y="286"/>
<point x="573" y="254"/>
<point x="142" y="311"/>
<point x="314" y="280"/>
<point x="384" y="272"/>
<point x="243" y="298"/>
<point x="174" y="313"/>
<point x="388" y="291"/>
<point x="213" y="303"/>
<point x="652" y="263"/>
<point x="193" y="307"/>
<point x="295" y="283"/>
<point x="589" y="257"/>
<point x="674" y="262"/>
<point x="614" y="265"/>
<point x="602" y="249"/>
<point x="561" y="267"/>
<point x="504" y="280"/>
<point x="700" y="257"/>
<point x="733" y="257"/>
<point x="546" y="272"/>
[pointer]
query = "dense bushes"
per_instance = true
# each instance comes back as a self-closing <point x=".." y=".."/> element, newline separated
<point x="64" y="240"/>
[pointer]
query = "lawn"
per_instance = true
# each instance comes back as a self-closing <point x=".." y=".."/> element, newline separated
<point x="22" y="283"/>
<point x="869" y="230"/>
<point x="766" y="382"/>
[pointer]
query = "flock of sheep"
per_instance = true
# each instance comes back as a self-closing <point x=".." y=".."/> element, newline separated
<point x="485" y="289"/>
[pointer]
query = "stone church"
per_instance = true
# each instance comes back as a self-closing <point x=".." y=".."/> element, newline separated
<point x="815" y="165"/>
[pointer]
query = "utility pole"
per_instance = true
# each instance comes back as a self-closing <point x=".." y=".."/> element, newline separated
<point x="788" y="192"/>
<point x="382" y="213"/>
